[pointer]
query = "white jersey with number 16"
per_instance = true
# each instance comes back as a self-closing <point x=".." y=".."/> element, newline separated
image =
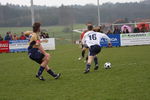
<point x="93" y="38"/>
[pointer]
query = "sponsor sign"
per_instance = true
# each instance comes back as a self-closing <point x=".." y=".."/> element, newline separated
<point x="135" y="39"/>
<point x="115" y="40"/>
<point x="18" y="45"/>
<point x="4" y="46"/>
<point x="48" y="43"/>
<point x="22" y="45"/>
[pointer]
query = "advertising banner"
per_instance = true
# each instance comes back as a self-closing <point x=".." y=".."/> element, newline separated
<point x="4" y="46"/>
<point x="22" y="45"/>
<point x="48" y="43"/>
<point x="115" y="40"/>
<point x="135" y="39"/>
<point x="18" y="45"/>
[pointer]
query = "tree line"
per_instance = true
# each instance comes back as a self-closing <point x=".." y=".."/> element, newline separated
<point x="16" y="16"/>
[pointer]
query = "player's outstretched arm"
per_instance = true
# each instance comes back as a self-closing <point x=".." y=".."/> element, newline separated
<point x="108" y="39"/>
<point x="27" y="33"/>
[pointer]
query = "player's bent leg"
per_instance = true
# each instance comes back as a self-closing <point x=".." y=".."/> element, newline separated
<point x="51" y="72"/>
<point x="86" y="59"/>
<point x="43" y="64"/>
<point x="96" y="63"/>
<point x="45" y="61"/>
<point x="47" y="57"/>
<point x="82" y="53"/>
<point x="88" y="65"/>
<point x="90" y="59"/>
<point x="40" y="71"/>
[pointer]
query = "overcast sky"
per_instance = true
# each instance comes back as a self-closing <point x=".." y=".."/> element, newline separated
<point x="65" y="2"/>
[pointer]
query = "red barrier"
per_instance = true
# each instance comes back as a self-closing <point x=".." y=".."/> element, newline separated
<point x="4" y="46"/>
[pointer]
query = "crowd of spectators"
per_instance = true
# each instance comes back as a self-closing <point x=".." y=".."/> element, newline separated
<point x="14" y="36"/>
<point x="125" y="30"/>
<point x="44" y="35"/>
<point x="116" y="30"/>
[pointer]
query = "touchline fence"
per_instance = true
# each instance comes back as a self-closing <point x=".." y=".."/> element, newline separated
<point x="117" y="40"/>
<point x="22" y="45"/>
<point x="128" y="39"/>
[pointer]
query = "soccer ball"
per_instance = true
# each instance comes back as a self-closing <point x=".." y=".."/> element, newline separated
<point x="107" y="65"/>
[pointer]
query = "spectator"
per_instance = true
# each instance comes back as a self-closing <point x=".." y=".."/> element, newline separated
<point x="47" y="35"/>
<point x="22" y="37"/>
<point x="117" y="30"/>
<point x="43" y="35"/>
<point x="15" y="37"/>
<point x="125" y="30"/>
<point x="8" y="36"/>
<point x="1" y="38"/>
<point x="136" y="30"/>
<point x="109" y="32"/>
<point x="143" y="28"/>
<point x="98" y="29"/>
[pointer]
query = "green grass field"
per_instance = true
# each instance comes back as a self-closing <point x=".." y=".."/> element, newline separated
<point x="129" y="78"/>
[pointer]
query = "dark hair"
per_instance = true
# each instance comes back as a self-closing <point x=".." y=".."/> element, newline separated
<point x="97" y="29"/>
<point x="36" y="26"/>
<point x="90" y="27"/>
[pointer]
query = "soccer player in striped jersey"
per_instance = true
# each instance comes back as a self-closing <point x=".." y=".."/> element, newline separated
<point x="38" y="54"/>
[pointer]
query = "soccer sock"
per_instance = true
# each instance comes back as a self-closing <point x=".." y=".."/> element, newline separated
<point x="41" y="69"/>
<point x="52" y="73"/>
<point x="95" y="61"/>
<point x="88" y="66"/>
<point x="83" y="52"/>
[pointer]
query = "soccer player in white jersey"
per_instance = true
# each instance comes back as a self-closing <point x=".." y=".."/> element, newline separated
<point x="93" y="39"/>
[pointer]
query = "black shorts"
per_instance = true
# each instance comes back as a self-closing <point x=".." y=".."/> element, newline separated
<point x="36" y="55"/>
<point x="94" y="50"/>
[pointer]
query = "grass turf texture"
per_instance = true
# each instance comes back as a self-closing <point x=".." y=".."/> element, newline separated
<point x="128" y="79"/>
